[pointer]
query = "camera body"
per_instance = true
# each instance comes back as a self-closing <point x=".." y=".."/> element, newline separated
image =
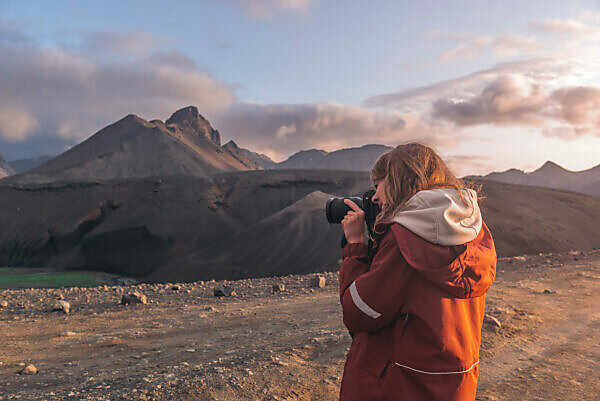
<point x="336" y="209"/>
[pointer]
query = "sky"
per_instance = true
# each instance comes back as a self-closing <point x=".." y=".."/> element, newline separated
<point x="490" y="85"/>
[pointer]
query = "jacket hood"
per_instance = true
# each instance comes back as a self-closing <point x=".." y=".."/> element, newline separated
<point x="441" y="217"/>
<point x="463" y="271"/>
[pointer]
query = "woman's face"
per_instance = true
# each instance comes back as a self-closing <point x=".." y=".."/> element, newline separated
<point x="379" y="197"/>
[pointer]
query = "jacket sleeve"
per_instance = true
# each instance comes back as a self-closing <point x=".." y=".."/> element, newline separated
<point x="371" y="294"/>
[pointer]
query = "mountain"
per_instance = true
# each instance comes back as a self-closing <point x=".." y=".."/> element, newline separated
<point x="296" y="239"/>
<point x="23" y="165"/>
<point x="5" y="168"/>
<point x="138" y="226"/>
<point x="263" y="161"/>
<point x="185" y="144"/>
<point x="351" y="159"/>
<point x="552" y="175"/>
<point x="242" y="224"/>
<point x="303" y="159"/>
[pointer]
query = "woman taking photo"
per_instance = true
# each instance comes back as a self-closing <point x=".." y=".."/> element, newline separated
<point x="415" y="306"/>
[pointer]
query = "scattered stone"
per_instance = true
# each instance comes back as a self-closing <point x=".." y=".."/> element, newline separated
<point x="224" y="291"/>
<point x="547" y="291"/>
<point x="134" y="297"/>
<point x="176" y="287"/>
<point x="3" y="304"/>
<point x="492" y="322"/>
<point x="210" y="309"/>
<point x="29" y="370"/>
<point x="319" y="282"/>
<point x="61" y="306"/>
<point x="278" y="287"/>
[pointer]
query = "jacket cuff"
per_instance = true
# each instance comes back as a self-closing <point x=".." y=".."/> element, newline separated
<point x="355" y="249"/>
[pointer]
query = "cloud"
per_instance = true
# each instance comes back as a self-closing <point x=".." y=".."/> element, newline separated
<point x="561" y="26"/>
<point x="581" y="34"/>
<point x="265" y="9"/>
<point x="470" y="46"/>
<point x="16" y="125"/>
<point x="68" y="93"/>
<point x="516" y="100"/>
<point x="130" y="44"/>
<point x="419" y="99"/>
<point x="554" y="94"/>
<point x="281" y="129"/>
<point x="508" y="100"/>
<point x="462" y="164"/>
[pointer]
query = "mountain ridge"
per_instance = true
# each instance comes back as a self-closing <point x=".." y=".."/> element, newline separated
<point x="552" y="175"/>
<point x="360" y="158"/>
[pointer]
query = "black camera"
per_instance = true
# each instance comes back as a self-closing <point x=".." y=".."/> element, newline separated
<point x="336" y="209"/>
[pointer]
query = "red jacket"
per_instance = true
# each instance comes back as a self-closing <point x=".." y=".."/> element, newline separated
<point x="416" y="311"/>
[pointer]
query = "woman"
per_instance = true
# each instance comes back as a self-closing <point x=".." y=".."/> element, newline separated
<point x="415" y="307"/>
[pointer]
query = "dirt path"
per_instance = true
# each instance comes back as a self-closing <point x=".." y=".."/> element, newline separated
<point x="186" y="344"/>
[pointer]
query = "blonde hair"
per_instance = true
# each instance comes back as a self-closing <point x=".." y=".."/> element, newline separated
<point x="406" y="170"/>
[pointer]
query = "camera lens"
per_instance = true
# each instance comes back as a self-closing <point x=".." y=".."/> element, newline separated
<point x="336" y="209"/>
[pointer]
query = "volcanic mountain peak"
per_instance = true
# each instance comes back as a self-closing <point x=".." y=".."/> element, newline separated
<point x="189" y="121"/>
<point x="189" y="113"/>
<point x="550" y="166"/>
<point x="231" y="145"/>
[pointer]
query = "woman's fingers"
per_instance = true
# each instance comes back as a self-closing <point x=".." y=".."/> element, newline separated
<point x="353" y="205"/>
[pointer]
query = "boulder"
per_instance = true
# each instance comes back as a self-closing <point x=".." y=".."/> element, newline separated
<point x="134" y="297"/>
<point x="29" y="370"/>
<point x="278" y="287"/>
<point x="61" y="306"/>
<point x="224" y="291"/>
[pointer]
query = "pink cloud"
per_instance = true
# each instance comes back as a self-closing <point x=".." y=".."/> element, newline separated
<point x="514" y="100"/>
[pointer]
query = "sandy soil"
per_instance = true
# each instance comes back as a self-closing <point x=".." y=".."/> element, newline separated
<point x="187" y="344"/>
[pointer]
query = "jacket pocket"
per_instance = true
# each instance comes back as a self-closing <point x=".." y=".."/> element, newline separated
<point x="359" y="384"/>
<point x="368" y="355"/>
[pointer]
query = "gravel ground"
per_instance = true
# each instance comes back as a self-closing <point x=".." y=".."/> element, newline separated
<point x="267" y="342"/>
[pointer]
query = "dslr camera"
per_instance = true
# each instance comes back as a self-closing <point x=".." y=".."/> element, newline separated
<point x="336" y="209"/>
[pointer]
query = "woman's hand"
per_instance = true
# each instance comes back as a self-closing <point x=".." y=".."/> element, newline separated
<point x="354" y="223"/>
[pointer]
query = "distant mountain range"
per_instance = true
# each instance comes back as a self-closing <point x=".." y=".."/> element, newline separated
<point x="551" y="175"/>
<point x="23" y="165"/>
<point x="187" y="144"/>
<point x="351" y="159"/>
